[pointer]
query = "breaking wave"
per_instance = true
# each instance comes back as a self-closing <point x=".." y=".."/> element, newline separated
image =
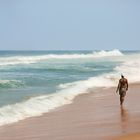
<point x="107" y="53"/>
<point x="10" y="84"/>
<point x="36" y="106"/>
<point x="34" y="59"/>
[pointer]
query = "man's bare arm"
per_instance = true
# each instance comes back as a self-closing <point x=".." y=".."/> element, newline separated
<point x="127" y="85"/>
<point x="118" y="87"/>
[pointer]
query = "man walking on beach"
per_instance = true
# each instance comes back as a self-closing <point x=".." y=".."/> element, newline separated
<point x="122" y="88"/>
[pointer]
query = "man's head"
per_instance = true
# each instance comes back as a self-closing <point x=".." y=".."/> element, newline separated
<point x="122" y="76"/>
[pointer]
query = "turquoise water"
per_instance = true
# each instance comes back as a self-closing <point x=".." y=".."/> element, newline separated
<point x="34" y="82"/>
<point x="43" y="77"/>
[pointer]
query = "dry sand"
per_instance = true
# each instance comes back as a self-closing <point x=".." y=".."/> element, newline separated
<point x="93" y="116"/>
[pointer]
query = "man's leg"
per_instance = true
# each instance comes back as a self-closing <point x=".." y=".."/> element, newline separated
<point x="122" y="95"/>
<point x="121" y="99"/>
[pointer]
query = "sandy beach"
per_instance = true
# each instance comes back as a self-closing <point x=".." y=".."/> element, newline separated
<point x="93" y="116"/>
<point x="61" y="62"/>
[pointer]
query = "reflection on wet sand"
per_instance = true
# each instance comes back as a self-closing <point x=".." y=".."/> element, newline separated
<point x="124" y="119"/>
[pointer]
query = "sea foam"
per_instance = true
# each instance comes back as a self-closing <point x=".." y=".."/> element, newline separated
<point x="36" y="106"/>
<point x="15" y="60"/>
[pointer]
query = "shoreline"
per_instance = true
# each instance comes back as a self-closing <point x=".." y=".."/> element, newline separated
<point x="90" y="116"/>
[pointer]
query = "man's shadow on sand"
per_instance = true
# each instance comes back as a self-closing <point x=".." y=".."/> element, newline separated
<point x="124" y="119"/>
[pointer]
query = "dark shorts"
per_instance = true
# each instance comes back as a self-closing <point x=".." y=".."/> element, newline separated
<point x="122" y="92"/>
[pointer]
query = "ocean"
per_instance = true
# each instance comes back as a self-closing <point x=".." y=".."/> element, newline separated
<point x="35" y="82"/>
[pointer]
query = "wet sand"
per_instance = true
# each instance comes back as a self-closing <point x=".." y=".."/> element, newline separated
<point x="93" y="116"/>
<point x="129" y="137"/>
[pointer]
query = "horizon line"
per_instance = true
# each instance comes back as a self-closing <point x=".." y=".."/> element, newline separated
<point x="73" y="50"/>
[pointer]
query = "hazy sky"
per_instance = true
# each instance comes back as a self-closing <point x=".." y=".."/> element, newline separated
<point x="69" y="24"/>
